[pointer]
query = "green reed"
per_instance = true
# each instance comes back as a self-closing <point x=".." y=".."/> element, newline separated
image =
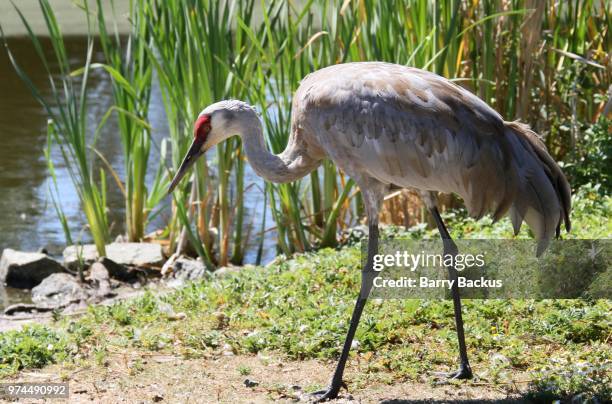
<point x="127" y="62"/>
<point x="67" y="129"/>
<point x="306" y="212"/>
<point x="193" y="47"/>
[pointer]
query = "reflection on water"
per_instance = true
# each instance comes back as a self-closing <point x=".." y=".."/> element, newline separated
<point x="27" y="216"/>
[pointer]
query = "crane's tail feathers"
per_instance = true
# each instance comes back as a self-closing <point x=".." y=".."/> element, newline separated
<point x="543" y="199"/>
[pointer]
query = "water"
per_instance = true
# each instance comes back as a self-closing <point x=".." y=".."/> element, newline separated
<point x="27" y="217"/>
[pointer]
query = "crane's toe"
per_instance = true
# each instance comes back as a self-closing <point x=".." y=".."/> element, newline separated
<point x="464" y="372"/>
<point x="322" y="395"/>
<point x="330" y="393"/>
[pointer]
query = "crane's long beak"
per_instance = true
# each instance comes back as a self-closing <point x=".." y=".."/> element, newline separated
<point x="195" y="151"/>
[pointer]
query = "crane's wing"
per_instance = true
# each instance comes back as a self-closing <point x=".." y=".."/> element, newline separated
<point x="413" y="128"/>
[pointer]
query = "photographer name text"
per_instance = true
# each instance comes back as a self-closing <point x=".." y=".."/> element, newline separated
<point x="418" y="261"/>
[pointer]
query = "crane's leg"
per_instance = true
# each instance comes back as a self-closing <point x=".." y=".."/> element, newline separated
<point x="465" y="371"/>
<point x="367" y="278"/>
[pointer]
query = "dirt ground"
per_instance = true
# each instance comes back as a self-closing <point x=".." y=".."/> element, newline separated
<point x="144" y="378"/>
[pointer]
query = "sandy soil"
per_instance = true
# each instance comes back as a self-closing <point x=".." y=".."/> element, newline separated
<point x="138" y="377"/>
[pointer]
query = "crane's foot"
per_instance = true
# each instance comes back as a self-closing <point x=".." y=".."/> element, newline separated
<point x="328" y="394"/>
<point x="323" y="395"/>
<point x="464" y="372"/>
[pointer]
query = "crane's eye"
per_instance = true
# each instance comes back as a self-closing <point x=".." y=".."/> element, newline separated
<point x="228" y="116"/>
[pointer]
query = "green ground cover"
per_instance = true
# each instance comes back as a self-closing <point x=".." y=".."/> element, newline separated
<point x="300" y="308"/>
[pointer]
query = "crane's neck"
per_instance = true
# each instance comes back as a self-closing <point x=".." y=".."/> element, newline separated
<point x="290" y="165"/>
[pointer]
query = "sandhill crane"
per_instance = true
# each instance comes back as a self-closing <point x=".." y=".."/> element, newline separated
<point x="391" y="126"/>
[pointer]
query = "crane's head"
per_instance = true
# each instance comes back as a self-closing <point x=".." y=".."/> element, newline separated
<point x="214" y="124"/>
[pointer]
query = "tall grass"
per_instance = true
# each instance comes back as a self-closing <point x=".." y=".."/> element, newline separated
<point x="67" y="129"/>
<point x="306" y="212"/>
<point x="128" y="63"/>
<point x="193" y="46"/>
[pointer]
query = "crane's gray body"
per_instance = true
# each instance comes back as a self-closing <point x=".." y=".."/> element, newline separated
<point x="400" y="125"/>
<point x="411" y="128"/>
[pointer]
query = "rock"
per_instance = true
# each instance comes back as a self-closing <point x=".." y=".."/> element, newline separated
<point x="355" y="234"/>
<point x="137" y="254"/>
<point x="250" y="383"/>
<point x="167" y="309"/>
<point x="118" y="271"/>
<point x="87" y="253"/>
<point x="25" y="270"/>
<point x="188" y="269"/>
<point x="498" y="359"/>
<point x="223" y="271"/>
<point x="58" y="290"/>
<point x="228" y="350"/>
<point x="178" y="316"/>
<point x="174" y="283"/>
<point x="98" y="273"/>
<point x="100" y="279"/>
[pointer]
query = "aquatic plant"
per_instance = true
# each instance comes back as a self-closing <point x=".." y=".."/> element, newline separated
<point x="127" y="63"/>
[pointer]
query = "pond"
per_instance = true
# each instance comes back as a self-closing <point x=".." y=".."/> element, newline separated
<point x="27" y="216"/>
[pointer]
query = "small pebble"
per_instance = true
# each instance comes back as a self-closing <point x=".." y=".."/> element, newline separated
<point x="250" y="383"/>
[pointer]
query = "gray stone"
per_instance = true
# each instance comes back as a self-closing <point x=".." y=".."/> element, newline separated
<point x="188" y="269"/>
<point x="25" y="270"/>
<point x="250" y="383"/>
<point x="100" y="279"/>
<point x="98" y="273"/>
<point x="137" y="254"/>
<point x="354" y="234"/>
<point x="87" y="253"/>
<point x="58" y="290"/>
